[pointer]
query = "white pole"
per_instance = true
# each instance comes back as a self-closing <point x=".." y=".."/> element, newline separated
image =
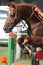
<point x="18" y="49"/>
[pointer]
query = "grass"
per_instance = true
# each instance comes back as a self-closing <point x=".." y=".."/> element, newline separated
<point x="23" y="60"/>
<point x="4" y="53"/>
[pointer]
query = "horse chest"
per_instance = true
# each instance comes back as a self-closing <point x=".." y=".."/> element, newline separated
<point x="37" y="30"/>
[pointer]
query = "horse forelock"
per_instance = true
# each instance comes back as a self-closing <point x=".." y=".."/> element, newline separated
<point x="12" y="5"/>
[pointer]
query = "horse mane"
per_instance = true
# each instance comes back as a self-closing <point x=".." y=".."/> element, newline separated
<point x="13" y="4"/>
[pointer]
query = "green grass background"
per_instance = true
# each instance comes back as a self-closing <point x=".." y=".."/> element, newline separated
<point x="25" y="59"/>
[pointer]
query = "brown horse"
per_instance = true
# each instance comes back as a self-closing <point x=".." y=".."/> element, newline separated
<point x="26" y="12"/>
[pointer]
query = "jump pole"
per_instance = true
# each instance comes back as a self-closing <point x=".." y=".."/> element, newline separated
<point x="18" y="53"/>
<point x="11" y="49"/>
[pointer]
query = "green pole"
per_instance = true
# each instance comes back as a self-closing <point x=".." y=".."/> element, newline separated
<point x="11" y="49"/>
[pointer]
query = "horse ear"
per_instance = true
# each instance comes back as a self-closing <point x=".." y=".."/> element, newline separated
<point x="11" y="4"/>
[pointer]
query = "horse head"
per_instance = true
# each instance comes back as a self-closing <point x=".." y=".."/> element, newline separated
<point x="17" y="13"/>
<point x="9" y="23"/>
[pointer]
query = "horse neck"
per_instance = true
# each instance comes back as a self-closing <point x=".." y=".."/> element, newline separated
<point x="31" y="14"/>
<point x="33" y="23"/>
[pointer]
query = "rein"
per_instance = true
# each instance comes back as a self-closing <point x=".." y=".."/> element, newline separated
<point x="29" y="17"/>
<point x="31" y="14"/>
<point x="39" y="17"/>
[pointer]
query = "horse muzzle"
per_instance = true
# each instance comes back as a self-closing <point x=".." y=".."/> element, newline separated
<point x="7" y="29"/>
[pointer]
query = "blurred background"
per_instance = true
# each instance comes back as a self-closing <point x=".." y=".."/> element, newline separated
<point x="39" y="3"/>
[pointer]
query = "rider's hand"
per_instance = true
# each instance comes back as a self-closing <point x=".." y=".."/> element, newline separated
<point x="37" y="10"/>
<point x="26" y="41"/>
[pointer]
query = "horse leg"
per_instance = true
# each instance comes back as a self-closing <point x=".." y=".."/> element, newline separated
<point x="20" y="41"/>
<point x="36" y="40"/>
<point x="31" y="46"/>
<point x="28" y="44"/>
<point x="21" y="44"/>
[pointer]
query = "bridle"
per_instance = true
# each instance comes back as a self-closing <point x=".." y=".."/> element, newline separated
<point x="29" y="17"/>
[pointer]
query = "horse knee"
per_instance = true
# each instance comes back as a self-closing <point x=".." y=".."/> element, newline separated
<point x="19" y="41"/>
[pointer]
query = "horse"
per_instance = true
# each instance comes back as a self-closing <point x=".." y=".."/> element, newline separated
<point x="32" y="18"/>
